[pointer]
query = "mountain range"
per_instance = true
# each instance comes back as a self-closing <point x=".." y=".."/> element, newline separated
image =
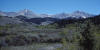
<point x="29" y="14"/>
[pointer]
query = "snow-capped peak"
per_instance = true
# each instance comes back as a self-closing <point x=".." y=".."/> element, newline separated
<point x="27" y="13"/>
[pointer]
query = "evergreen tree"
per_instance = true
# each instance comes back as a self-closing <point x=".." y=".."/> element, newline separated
<point x="87" y="41"/>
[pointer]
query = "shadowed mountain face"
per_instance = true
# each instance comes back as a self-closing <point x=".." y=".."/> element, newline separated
<point x="37" y="20"/>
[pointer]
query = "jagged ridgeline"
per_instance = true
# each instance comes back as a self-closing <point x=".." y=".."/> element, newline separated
<point x="62" y="34"/>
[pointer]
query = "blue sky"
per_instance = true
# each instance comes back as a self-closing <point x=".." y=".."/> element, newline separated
<point x="51" y="6"/>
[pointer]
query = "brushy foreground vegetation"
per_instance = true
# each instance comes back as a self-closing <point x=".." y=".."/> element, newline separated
<point x="81" y="35"/>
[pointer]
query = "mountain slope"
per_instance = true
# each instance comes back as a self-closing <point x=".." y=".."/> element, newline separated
<point x="36" y="20"/>
<point x="63" y="22"/>
<point x="8" y="20"/>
